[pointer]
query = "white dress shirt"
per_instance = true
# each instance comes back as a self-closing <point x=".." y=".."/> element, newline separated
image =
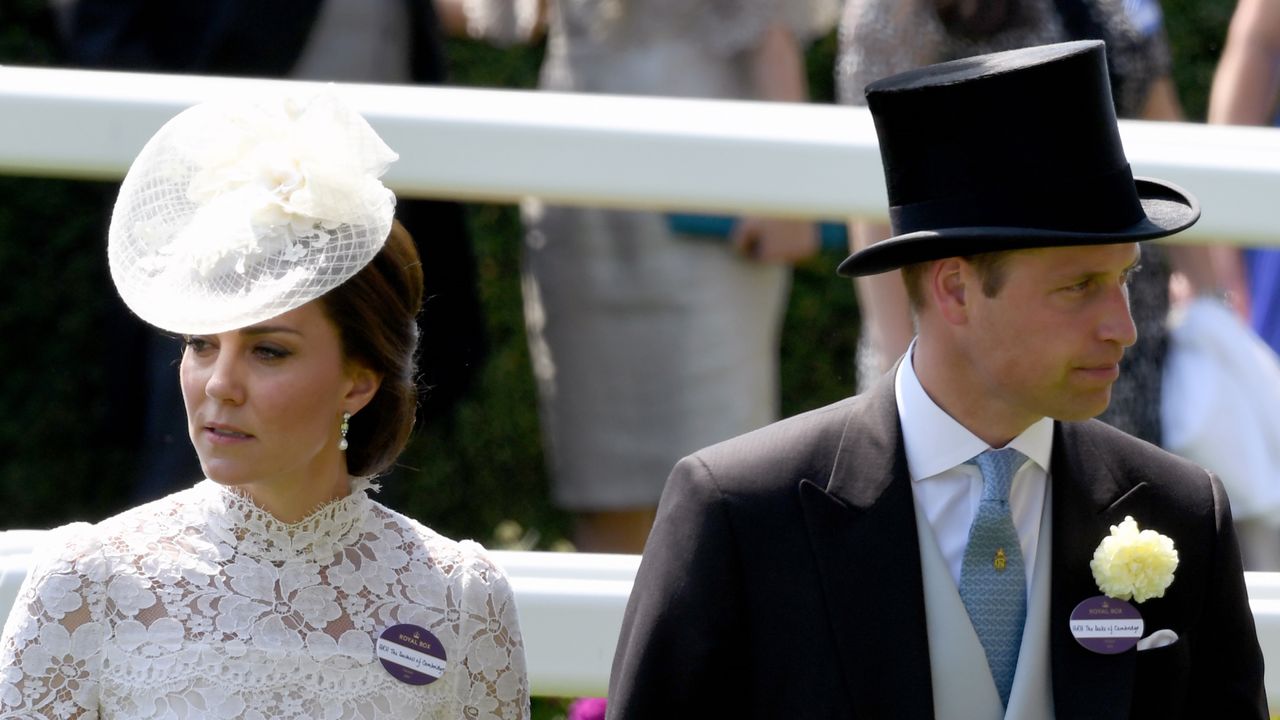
<point x="947" y="489"/>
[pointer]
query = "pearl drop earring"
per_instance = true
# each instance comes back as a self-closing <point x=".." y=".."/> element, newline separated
<point x="346" y="417"/>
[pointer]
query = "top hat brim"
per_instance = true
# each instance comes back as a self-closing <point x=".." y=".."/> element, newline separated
<point x="1167" y="209"/>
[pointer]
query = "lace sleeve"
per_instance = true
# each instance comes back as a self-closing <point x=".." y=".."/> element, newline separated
<point x="50" y="650"/>
<point x="504" y="22"/>
<point x="496" y="685"/>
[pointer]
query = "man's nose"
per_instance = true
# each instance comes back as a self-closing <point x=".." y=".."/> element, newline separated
<point x="1117" y="321"/>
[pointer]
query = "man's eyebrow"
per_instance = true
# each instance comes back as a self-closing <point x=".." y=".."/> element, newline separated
<point x="1129" y="269"/>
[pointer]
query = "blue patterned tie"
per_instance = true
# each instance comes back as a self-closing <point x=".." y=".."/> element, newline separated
<point x="993" y="578"/>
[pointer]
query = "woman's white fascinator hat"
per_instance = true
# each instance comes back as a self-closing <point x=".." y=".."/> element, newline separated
<point x="238" y="211"/>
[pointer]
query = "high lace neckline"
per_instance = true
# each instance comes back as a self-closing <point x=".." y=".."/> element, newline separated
<point x="202" y="606"/>
<point x="234" y="519"/>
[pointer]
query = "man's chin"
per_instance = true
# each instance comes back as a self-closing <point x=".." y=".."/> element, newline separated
<point x="1085" y="409"/>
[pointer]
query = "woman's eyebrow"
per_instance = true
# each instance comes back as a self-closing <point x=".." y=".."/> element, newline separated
<point x="268" y="330"/>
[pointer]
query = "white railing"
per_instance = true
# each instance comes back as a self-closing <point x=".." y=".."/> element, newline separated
<point x="798" y="160"/>
<point x="571" y="607"/>
<point x="788" y="159"/>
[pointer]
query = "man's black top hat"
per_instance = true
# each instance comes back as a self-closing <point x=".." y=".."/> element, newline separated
<point x="1006" y="151"/>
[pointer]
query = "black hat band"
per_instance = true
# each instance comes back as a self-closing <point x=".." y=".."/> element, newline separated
<point x="1099" y="204"/>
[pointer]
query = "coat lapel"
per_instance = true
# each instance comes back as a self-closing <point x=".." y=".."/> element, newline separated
<point x="862" y="528"/>
<point x="1087" y="499"/>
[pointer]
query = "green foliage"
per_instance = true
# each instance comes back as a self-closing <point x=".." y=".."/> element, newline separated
<point x="25" y="29"/>
<point x="56" y="463"/>
<point x="1197" y="30"/>
<point x="466" y="475"/>
<point x="820" y="62"/>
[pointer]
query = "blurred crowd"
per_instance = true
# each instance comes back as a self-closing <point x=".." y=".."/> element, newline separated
<point x="650" y="338"/>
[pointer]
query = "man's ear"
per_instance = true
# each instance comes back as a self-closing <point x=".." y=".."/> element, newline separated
<point x="948" y="283"/>
<point x="364" y="385"/>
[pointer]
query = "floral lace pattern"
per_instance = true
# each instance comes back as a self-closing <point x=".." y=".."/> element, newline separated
<point x="201" y="605"/>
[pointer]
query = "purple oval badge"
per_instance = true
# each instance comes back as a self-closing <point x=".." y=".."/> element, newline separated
<point x="1106" y="625"/>
<point x="411" y="654"/>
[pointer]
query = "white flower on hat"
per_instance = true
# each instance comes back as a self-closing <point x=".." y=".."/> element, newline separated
<point x="289" y="173"/>
<point x="291" y="167"/>
<point x="237" y="212"/>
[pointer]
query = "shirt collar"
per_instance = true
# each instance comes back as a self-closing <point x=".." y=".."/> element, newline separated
<point x="935" y="442"/>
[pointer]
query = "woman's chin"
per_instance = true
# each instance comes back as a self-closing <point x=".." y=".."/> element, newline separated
<point x="229" y="474"/>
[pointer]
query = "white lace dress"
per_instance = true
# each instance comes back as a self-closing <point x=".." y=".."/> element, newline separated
<point x="201" y="605"/>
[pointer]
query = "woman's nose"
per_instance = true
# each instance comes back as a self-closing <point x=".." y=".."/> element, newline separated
<point x="225" y="382"/>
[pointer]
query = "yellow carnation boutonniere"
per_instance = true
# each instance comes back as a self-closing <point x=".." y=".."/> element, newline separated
<point x="1133" y="563"/>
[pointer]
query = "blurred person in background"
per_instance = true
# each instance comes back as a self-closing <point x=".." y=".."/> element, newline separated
<point x="374" y="41"/>
<point x="648" y="342"/>
<point x="882" y="37"/>
<point x="1245" y="90"/>
<point x="1246" y="87"/>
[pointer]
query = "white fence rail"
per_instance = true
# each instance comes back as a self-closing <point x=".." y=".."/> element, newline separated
<point x="799" y="160"/>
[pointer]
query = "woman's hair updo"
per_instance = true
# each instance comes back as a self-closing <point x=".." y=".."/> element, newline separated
<point x="376" y="313"/>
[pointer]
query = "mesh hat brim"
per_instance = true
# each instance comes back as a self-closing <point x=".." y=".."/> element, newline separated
<point x="236" y="212"/>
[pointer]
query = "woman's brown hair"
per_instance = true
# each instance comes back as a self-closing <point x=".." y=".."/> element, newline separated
<point x="376" y="312"/>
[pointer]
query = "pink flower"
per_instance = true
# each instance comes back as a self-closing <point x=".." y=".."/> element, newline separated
<point x="587" y="709"/>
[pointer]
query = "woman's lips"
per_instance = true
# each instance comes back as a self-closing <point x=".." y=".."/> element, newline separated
<point x="225" y="434"/>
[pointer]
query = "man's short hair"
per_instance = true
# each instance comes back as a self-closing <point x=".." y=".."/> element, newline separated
<point x="989" y="266"/>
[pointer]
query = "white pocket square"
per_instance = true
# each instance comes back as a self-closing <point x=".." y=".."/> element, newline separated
<point x="1157" y="639"/>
